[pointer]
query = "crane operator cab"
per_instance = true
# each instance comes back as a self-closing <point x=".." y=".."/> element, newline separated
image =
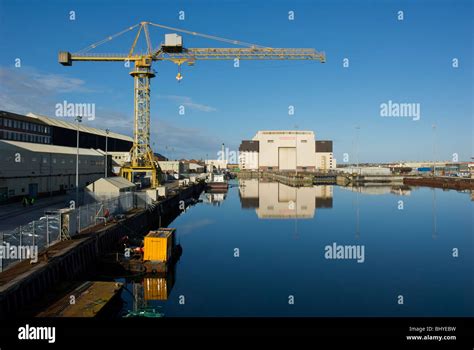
<point x="173" y="43"/>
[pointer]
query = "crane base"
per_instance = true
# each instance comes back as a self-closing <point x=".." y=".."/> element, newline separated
<point x="139" y="174"/>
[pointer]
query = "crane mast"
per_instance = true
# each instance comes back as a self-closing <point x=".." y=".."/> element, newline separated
<point x="142" y="159"/>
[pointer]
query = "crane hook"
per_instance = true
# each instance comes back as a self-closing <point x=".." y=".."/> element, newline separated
<point x="179" y="77"/>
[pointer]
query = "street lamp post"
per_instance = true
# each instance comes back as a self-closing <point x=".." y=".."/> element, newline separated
<point x="78" y="120"/>
<point x="357" y="148"/>
<point x="106" y="151"/>
<point x="434" y="148"/>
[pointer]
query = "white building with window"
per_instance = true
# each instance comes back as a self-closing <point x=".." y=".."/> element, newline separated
<point x="248" y="155"/>
<point x="286" y="150"/>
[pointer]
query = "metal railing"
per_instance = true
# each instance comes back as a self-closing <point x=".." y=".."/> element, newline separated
<point x="38" y="234"/>
<point x="51" y="228"/>
<point x="91" y="214"/>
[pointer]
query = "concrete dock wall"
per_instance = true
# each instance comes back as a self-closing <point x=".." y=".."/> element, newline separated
<point x="24" y="283"/>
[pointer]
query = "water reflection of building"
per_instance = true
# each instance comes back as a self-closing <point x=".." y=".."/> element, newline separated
<point x="276" y="200"/>
<point x="214" y="198"/>
<point x="380" y="189"/>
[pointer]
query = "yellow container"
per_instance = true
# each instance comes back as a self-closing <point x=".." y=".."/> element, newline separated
<point x="159" y="245"/>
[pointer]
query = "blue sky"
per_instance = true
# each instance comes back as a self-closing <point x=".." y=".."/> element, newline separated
<point x="407" y="61"/>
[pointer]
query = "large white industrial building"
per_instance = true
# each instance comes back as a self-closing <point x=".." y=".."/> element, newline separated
<point x="286" y="150"/>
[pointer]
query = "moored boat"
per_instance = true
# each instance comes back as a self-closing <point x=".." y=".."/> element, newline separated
<point x="217" y="182"/>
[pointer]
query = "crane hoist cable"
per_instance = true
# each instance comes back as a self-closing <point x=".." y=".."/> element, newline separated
<point x="207" y="36"/>
<point x="149" y="44"/>
<point x="107" y="39"/>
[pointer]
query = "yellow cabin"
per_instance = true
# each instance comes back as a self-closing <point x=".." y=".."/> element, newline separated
<point x="159" y="245"/>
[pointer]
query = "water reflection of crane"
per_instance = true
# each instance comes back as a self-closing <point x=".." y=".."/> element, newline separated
<point x="357" y="231"/>
<point x="296" y="213"/>
<point x="435" y="229"/>
<point x="149" y="290"/>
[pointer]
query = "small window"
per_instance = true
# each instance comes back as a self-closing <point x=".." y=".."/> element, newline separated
<point x="270" y="207"/>
<point x="270" y="141"/>
<point x="304" y="141"/>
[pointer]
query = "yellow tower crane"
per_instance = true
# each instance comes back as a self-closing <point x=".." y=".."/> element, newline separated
<point x="141" y="155"/>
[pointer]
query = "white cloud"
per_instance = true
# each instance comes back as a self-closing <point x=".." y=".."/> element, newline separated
<point x="24" y="90"/>
<point x="60" y="83"/>
<point x="188" y="102"/>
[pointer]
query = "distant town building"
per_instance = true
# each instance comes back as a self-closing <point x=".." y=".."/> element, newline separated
<point x="232" y="166"/>
<point x="324" y="155"/>
<point x="173" y="166"/>
<point x="286" y="150"/>
<point x="119" y="159"/>
<point x="193" y="165"/>
<point x="215" y="164"/>
<point x="248" y="155"/>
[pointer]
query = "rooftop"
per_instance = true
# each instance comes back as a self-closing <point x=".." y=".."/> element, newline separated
<point x="42" y="148"/>
<point x="285" y="132"/>
<point x="118" y="181"/>
<point x="73" y="126"/>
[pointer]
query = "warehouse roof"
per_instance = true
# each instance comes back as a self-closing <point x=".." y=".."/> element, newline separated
<point x="19" y="117"/>
<point x="290" y="132"/>
<point x="82" y="128"/>
<point x="118" y="181"/>
<point x="42" y="148"/>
